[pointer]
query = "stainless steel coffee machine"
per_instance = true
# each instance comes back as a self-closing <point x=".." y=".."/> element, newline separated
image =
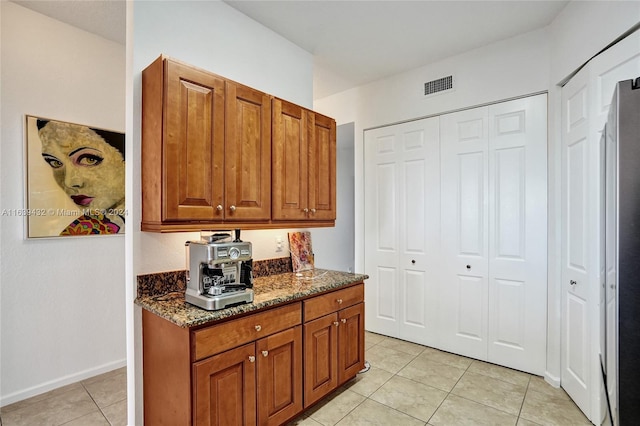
<point x="219" y="272"/>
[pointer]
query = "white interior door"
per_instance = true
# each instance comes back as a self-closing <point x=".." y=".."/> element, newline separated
<point x="576" y="342"/>
<point x="401" y="229"/>
<point x="518" y="234"/>
<point x="464" y="235"/>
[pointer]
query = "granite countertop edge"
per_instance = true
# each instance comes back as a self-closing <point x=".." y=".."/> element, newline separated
<point x="269" y="291"/>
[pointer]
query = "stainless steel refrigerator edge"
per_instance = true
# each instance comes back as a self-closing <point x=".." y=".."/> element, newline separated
<point x="620" y="295"/>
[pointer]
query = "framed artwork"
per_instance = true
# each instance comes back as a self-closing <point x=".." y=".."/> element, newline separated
<point x="75" y="179"/>
<point x="301" y="251"/>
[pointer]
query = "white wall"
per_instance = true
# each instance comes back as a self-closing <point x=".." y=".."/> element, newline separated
<point x="62" y="308"/>
<point x="215" y="37"/>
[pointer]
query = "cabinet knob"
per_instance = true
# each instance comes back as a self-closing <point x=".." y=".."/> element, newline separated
<point x="344" y="320"/>
<point x="252" y="358"/>
<point x="219" y="207"/>
<point x="306" y="210"/>
<point x="339" y="301"/>
<point x="336" y="323"/>
<point x="232" y="208"/>
<point x="313" y="210"/>
<point x="265" y="353"/>
<point x="258" y="327"/>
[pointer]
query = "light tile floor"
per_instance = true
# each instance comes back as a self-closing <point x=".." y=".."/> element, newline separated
<point x="408" y="384"/>
<point x="98" y="401"/>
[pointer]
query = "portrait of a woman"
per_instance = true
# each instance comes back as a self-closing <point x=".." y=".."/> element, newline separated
<point x="88" y="165"/>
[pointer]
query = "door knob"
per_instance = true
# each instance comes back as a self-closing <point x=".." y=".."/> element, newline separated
<point x="468" y="266"/>
<point x="573" y="282"/>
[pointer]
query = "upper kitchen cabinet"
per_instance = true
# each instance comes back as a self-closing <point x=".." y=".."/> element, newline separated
<point x="206" y="149"/>
<point x="304" y="165"/>
<point x="220" y="155"/>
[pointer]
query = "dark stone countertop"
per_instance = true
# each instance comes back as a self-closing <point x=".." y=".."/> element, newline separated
<point x="268" y="291"/>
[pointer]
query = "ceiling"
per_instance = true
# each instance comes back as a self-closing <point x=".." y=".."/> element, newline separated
<point x="352" y="42"/>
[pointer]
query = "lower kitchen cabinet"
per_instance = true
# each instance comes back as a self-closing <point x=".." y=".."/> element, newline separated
<point x="263" y="368"/>
<point x="333" y="343"/>
<point x="225" y="388"/>
<point x="279" y="376"/>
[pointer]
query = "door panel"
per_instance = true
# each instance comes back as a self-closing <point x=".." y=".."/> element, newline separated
<point x="350" y="342"/>
<point x="279" y="364"/>
<point x="518" y="234"/>
<point x="576" y="374"/>
<point x="464" y="303"/>
<point x="225" y="388"/>
<point x="401" y="226"/>
<point x="321" y="358"/>
<point x="247" y="154"/>
<point x="193" y="144"/>
<point x="322" y="167"/>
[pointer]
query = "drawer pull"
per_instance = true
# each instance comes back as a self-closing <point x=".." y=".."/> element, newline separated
<point x="258" y="327"/>
<point x="344" y="320"/>
<point x="252" y="358"/>
<point x="339" y="301"/>
<point x="336" y="323"/>
<point x="265" y="353"/>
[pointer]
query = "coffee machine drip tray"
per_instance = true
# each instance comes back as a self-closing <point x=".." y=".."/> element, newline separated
<point x="224" y="300"/>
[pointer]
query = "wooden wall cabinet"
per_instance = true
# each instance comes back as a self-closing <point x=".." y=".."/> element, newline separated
<point x="256" y="369"/>
<point x="206" y="149"/>
<point x="207" y="155"/>
<point x="333" y="341"/>
<point x="304" y="164"/>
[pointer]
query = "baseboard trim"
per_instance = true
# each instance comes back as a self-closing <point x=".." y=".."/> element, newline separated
<point x="551" y="379"/>
<point x="62" y="381"/>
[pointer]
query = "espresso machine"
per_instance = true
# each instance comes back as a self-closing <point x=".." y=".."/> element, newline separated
<point x="219" y="272"/>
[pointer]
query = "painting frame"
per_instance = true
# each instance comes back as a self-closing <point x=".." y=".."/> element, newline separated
<point x="75" y="179"/>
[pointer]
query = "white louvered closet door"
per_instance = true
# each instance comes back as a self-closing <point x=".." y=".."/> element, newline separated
<point x="401" y="229"/>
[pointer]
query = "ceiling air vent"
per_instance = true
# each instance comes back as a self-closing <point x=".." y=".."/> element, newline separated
<point x="437" y="86"/>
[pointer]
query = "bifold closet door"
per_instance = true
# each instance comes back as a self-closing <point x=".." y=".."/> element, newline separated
<point x="494" y="229"/>
<point x="402" y="216"/>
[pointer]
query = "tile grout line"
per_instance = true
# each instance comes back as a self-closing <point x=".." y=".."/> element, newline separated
<point x="94" y="401"/>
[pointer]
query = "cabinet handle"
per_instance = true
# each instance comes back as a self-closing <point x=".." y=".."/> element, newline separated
<point x="339" y="301"/>
<point x="344" y="320"/>
<point x="232" y="208"/>
<point x="313" y="210"/>
<point x="265" y="353"/>
<point x="219" y="207"/>
<point x="336" y="323"/>
<point x="306" y="210"/>
<point x="258" y="327"/>
<point x="252" y="358"/>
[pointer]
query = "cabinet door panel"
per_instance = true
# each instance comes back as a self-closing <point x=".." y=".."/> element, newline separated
<point x="247" y="154"/>
<point x="279" y="376"/>
<point x="225" y="388"/>
<point x="322" y="167"/>
<point x="290" y="161"/>
<point x="193" y="144"/>
<point x="321" y="358"/>
<point x="350" y="342"/>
